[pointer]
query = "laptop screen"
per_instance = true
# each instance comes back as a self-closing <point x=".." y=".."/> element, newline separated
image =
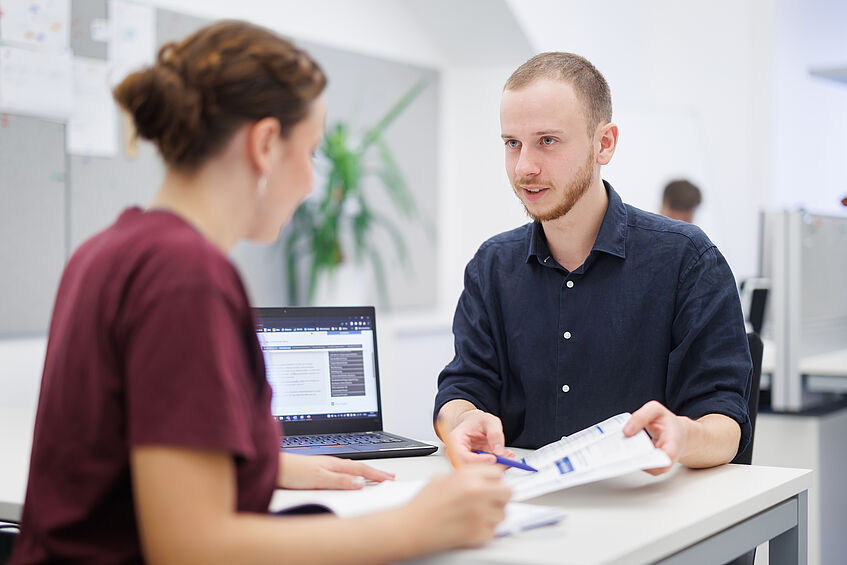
<point x="321" y="363"/>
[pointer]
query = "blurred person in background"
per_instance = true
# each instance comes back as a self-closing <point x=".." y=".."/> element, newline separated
<point x="680" y="200"/>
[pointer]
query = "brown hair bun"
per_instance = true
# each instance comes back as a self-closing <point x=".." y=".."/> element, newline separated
<point x="165" y="110"/>
<point x="200" y="90"/>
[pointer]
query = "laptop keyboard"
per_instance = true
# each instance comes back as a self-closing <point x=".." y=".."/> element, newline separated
<point x="366" y="438"/>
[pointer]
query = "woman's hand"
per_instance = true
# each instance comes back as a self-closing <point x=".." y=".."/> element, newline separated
<point x="325" y="472"/>
<point x="457" y="510"/>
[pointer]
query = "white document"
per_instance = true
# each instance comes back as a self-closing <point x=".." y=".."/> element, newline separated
<point x="132" y="38"/>
<point x="36" y="83"/>
<point x="92" y="129"/>
<point x="43" y="24"/>
<point x="595" y="453"/>
<point x="391" y="494"/>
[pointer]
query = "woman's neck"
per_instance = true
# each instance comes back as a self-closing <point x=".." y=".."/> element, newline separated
<point x="208" y="199"/>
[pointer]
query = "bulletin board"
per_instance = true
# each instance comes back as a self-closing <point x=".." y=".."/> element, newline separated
<point x="51" y="200"/>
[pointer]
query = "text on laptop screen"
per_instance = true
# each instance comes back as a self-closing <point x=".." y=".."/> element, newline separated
<point x="319" y="368"/>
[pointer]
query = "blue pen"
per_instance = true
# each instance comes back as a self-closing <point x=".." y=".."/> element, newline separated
<point x="509" y="462"/>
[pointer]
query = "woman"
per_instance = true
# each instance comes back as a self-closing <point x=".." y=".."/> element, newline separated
<point x="153" y="439"/>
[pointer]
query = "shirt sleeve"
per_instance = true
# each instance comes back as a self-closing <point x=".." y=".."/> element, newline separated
<point x="472" y="375"/>
<point x="709" y="367"/>
<point x="187" y="374"/>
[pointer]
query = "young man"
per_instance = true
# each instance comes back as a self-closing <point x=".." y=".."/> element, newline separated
<point x="595" y="307"/>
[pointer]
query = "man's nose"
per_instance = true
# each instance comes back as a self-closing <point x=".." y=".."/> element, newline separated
<point x="526" y="165"/>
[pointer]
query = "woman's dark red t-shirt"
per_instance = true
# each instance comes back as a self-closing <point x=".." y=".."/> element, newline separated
<point x="152" y="342"/>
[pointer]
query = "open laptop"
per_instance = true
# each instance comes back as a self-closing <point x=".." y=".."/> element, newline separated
<point x="321" y="363"/>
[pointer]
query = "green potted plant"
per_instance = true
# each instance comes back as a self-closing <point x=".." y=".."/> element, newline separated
<point x="322" y="227"/>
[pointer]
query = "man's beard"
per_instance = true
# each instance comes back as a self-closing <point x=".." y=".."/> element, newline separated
<point x="576" y="190"/>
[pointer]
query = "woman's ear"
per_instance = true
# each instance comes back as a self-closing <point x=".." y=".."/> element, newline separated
<point x="262" y="141"/>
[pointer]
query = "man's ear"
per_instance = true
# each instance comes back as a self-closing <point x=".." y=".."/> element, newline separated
<point x="262" y="139"/>
<point x="607" y="141"/>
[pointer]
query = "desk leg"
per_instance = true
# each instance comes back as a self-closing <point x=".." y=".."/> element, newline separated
<point x="792" y="546"/>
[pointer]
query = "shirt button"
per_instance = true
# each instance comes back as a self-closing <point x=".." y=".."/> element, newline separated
<point x="566" y="335"/>
<point x="570" y="284"/>
<point x="565" y="388"/>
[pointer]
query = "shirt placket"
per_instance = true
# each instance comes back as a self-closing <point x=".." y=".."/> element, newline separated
<point x="562" y="386"/>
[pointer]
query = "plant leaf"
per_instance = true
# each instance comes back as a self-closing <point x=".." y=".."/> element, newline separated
<point x="393" y="181"/>
<point x="379" y="275"/>
<point x="407" y="98"/>
<point x="395" y="236"/>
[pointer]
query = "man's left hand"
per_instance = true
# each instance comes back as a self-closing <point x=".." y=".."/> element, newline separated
<point x="669" y="431"/>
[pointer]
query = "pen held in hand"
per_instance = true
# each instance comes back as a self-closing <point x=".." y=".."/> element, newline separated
<point x="509" y="462"/>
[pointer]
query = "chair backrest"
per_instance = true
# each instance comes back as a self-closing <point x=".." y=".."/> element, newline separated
<point x="755" y="342"/>
<point x="8" y="534"/>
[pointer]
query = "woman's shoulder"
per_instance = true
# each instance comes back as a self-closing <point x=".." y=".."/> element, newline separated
<point x="155" y="252"/>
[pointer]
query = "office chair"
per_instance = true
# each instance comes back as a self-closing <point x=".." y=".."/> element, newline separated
<point x="756" y="348"/>
<point x="8" y="533"/>
<point x="746" y="457"/>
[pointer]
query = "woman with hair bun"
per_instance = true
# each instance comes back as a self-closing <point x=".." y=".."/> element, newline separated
<point x="153" y="439"/>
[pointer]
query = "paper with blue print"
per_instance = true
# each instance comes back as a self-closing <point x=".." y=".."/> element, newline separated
<point x="595" y="453"/>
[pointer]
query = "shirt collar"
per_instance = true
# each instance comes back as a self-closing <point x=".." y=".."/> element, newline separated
<point x="611" y="238"/>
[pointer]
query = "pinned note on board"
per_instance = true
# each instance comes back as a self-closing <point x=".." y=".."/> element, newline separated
<point x="92" y="128"/>
<point x="40" y="24"/>
<point x="36" y="83"/>
<point x="132" y="38"/>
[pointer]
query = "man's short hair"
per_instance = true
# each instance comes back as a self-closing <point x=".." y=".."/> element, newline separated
<point x="590" y="86"/>
<point x="682" y="195"/>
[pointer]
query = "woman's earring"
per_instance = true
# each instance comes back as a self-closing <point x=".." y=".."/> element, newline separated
<point x="262" y="185"/>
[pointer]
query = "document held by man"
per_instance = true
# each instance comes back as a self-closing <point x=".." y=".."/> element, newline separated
<point x="595" y="453"/>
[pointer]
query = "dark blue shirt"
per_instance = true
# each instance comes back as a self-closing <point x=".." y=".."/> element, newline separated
<point x="652" y="314"/>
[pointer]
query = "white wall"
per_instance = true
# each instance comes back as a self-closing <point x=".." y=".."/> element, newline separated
<point x="374" y="27"/>
<point x="809" y="113"/>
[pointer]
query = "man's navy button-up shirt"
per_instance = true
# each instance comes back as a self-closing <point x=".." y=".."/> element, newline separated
<point x="652" y="314"/>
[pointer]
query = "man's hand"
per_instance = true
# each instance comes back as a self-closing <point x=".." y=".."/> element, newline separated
<point x="669" y="431"/>
<point x="325" y="472"/>
<point x="706" y="442"/>
<point x="478" y="430"/>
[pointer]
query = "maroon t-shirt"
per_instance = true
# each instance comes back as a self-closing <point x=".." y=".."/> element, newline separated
<point x="152" y="342"/>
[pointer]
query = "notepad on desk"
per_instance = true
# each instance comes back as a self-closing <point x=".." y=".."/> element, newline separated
<point x="595" y="453"/>
<point x="391" y="494"/>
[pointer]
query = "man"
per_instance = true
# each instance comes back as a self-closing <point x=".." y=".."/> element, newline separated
<point x="594" y="308"/>
<point x="680" y="200"/>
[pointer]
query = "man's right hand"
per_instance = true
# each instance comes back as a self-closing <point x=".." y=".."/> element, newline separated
<point x="478" y="430"/>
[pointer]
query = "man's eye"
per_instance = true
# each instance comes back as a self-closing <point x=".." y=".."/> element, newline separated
<point x="512" y="143"/>
<point x="548" y="140"/>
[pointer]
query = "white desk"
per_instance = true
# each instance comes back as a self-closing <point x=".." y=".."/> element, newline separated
<point x="826" y="372"/>
<point x="684" y="517"/>
<point x="831" y="364"/>
<point x="691" y="517"/>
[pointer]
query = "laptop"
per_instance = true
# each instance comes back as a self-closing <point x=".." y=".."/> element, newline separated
<point x="321" y="363"/>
